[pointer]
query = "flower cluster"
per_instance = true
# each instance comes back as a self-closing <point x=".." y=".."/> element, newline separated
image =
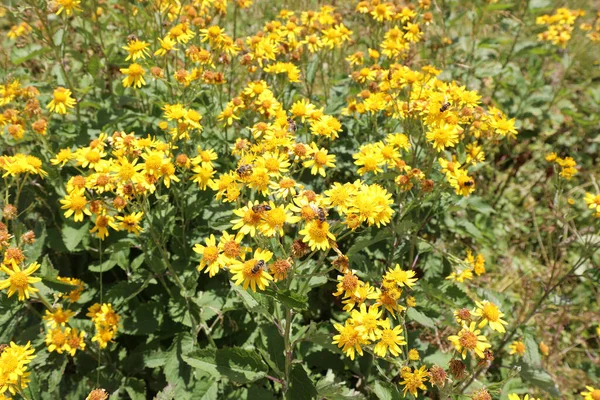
<point x="106" y="323"/>
<point x="60" y="337"/>
<point x="469" y="338"/>
<point x="568" y="166"/>
<point x="22" y="112"/>
<point x="120" y="171"/>
<point x="471" y="264"/>
<point x="14" y="376"/>
<point x="560" y="26"/>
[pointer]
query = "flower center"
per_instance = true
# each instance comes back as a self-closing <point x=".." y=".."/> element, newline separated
<point x="491" y="312"/>
<point x="468" y="340"/>
<point x="211" y="253"/>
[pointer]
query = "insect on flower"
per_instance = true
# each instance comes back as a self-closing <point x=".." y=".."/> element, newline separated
<point x="260" y="264"/>
<point x="244" y="170"/>
<point x="260" y="208"/>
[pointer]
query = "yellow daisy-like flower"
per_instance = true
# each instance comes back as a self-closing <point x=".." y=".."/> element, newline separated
<point x="517" y="347"/>
<point x="366" y="321"/>
<point x="136" y="49"/>
<point x="414" y="380"/>
<point x="101" y="225"/>
<point x="56" y="339"/>
<point x="250" y="218"/>
<point x="390" y="339"/>
<point x="319" y="160"/>
<point x="13" y="364"/>
<point x="400" y="277"/>
<point x="61" y="100"/>
<point x="253" y="272"/>
<point x="349" y="339"/>
<point x="75" y="341"/>
<point x="135" y="76"/>
<point x="273" y="220"/>
<point x="75" y="203"/>
<point x="58" y="317"/>
<point x="514" y="396"/>
<point x="19" y="281"/>
<point x="316" y="234"/>
<point x="68" y="6"/>
<point x="591" y="394"/>
<point x="469" y="339"/>
<point x="63" y="156"/>
<point x="489" y="313"/>
<point x="210" y="256"/>
<point x="131" y="222"/>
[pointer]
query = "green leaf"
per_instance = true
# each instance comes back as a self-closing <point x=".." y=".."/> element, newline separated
<point x="135" y="388"/>
<point x="73" y="235"/>
<point x="58" y="37"/>
<point x="421" y="318"/>
<point x="541" y="379"/>
<point x="55" y="284"/>
<point x="328" y="388"/>
<point x="532" y="354"/>
<point x="93" y="66"/>
<point x="34" y="54"/>
<point x="289" y="298"/>
<point x="105" y="266"/>
<point x="386" y="391"/>
<point x="234" y="363"/>
<point x="145" y="319"/>
<point x="301" y="386"/>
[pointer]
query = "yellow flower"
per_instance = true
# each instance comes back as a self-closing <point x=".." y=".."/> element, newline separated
<point x="167" y="44"/>
<point x="443" y="136"/>
<point x="349" y="339"/>
<point x="414" y="380"/>
<point x="413" y="355"/>
<point x="131" y="222"/>
<point x="319" y="160"/>
<point x="63" y="156"/>
<point x="591" y="394"/>
<point x="253" y="272"/>
<point x="390" y="339"/>
<point x="13" y="364"/>
<point x="58" y="317"/>
<point x="104" y="336"/>
<point x="366" y="321"/>
<point x="101" y="226"/>
<point x="68" y="6"/>
<point x="489" y="313"/>
<point x="61" y="101"/>
<point x="400" y="277"/>
<point x="544" y="349"/>
<point x="469" y="339"/>
<point x="136" y="49"/>
<point x="250" y="218"/>
<point x="19" y="280"/>
<point x="316" y="234"/>
<point x="135" y="76"/>
<point x="514" y="396"/>
<point x="517" y="347"/>
<point x="75" y="341"/>
<point x="273" y="220"/>
<point x="56" y="339"/>
<point x="75" y="203"/>
<point x="210" y="256"/>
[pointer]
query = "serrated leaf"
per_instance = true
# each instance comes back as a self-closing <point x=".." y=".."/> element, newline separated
<point x="289" y="298"/>
<point x="386" y="391"/>
<point x="73" y="235"/>
<point x="301" y="387"/>
<point x="421" y="318"/>
<point x="234" y="363"/>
